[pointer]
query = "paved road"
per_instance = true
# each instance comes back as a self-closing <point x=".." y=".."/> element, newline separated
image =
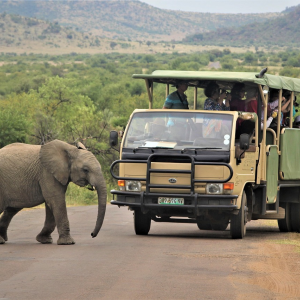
<point x="176" y="261"/>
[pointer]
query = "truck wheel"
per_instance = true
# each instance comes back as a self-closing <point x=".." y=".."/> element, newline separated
<point x="295" y="217"/>
<point x="142" y="222"/>
<point x="285" y="224"/>
<point x="238" y="222"/>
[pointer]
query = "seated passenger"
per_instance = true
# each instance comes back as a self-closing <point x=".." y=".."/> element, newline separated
<point x="251" y="106"/>
<point x="285" y="106"/>
<point x="178" y="99"/>
<point x="214" y="99"/>
<point x="237" y="93"/>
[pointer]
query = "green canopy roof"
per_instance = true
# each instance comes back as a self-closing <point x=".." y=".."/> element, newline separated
<point x="272" y="81"/>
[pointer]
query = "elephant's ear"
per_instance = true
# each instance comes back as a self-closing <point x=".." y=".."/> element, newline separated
<point x="54" y="157"/>
<point x="81" y="146"/>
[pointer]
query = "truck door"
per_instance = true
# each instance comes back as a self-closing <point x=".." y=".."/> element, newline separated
<point x="272" y="173"/>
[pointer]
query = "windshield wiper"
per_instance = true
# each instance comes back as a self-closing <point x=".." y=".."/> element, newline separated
<point x="155" y="147"/>
<point x="201" y="148"/>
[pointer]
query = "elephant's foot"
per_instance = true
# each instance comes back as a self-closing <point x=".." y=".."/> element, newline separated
<point x="44" y="239"/>
<point x="3" y="233"/>
<point x="2" y="240"/>
<point x="65" y="240"/>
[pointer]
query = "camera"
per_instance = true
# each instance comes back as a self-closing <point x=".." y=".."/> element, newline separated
<point x="222" y="91"/>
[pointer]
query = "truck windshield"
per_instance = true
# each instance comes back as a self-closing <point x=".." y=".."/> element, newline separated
<point x="178" y="130"/>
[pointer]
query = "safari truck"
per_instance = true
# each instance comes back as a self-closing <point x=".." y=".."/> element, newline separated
<point x="190" y="166"/>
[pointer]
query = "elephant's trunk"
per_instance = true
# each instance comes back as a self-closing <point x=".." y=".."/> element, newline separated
<point x="102" y="197"/>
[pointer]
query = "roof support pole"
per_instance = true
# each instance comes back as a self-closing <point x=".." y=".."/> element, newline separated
<point x="279" y="118"/>
<point x="195" y="97"/>
<point x="264" y="99"/>
<point x="291" y="109"/>
<point x="167" y="90"/>
<point x="149" y="86"/>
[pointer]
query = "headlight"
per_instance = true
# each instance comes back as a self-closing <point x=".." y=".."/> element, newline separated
<point x="214" y="188"/>
<point x="133" y="186"/>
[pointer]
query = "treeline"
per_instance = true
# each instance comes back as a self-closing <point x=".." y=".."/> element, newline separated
<point x="81" y="97"/>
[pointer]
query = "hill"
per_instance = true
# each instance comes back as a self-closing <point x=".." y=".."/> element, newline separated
<point x="21" y="35"/>
<point x="29" y="33"/>
<point x="128" y="20"/>
<point x="282" y="31"/>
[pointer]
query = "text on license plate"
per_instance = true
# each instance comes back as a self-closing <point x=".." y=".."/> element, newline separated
<point x="174" y="201"/>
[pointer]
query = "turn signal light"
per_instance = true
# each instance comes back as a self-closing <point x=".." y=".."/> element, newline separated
<point x="121" y="182"/>
<point x="228" y="186"/>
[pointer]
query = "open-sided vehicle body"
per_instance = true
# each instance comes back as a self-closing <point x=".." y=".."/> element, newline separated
<point x="190" y="166"/>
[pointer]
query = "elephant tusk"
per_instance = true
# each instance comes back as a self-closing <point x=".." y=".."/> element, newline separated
<point x="90" y="187"/>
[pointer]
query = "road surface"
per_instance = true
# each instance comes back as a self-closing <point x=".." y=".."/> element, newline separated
<point x="175" y="261"/>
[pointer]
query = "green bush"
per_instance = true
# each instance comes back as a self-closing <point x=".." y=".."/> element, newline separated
<point x="77" y="196"/>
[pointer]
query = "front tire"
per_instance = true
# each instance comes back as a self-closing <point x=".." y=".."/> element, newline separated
<point x="238" y="222"/>
<point x="142" y="222"/>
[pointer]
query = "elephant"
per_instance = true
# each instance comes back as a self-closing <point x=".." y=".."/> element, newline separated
<point x="33" y="174"/>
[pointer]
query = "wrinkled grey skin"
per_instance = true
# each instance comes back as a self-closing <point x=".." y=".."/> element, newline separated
<point x="31" y="175"/>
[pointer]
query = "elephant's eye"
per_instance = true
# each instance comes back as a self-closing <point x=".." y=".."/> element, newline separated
<point x="85" y="170"/>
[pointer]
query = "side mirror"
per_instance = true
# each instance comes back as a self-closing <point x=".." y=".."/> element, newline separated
<point x="113" y="138"/>
<point x="244" y="145"/>
<point x="244" y="141"/>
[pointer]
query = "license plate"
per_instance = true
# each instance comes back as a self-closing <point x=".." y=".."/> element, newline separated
<point x="172" y="201"/>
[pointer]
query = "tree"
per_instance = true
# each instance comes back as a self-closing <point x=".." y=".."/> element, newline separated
<point x="113" y="45"/>
<point x="249" y="58"/>
<point x="17" y="118"/>
<point x="13" y="127"/>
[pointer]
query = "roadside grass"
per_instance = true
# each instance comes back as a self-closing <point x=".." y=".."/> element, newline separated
<point x="292" y="239"/>
<point x="78" y="196"/>
<point x="81" y="196"/>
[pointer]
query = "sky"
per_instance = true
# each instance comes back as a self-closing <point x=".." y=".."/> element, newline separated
<point x="224" y="6"/>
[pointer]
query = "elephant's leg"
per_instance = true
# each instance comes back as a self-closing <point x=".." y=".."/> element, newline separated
<point x="44" y="236"/>
<point x="5" y="219"/>
<point x="59" y="209"/>
<point x="54" y="196"/>
<point x="63" y="226"/>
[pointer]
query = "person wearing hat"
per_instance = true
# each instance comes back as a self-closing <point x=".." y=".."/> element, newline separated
<point x="178" y="99"/>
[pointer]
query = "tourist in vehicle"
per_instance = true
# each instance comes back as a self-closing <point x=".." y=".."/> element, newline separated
<point x="285" y="105"/>
<point x="215" y="99"/>
<point x="178" y="99"/>
<point x="251" y="106"/>
<point x="237" y="94"/>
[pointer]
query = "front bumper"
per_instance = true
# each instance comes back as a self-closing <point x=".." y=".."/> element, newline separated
<point x="194" y="204"/>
